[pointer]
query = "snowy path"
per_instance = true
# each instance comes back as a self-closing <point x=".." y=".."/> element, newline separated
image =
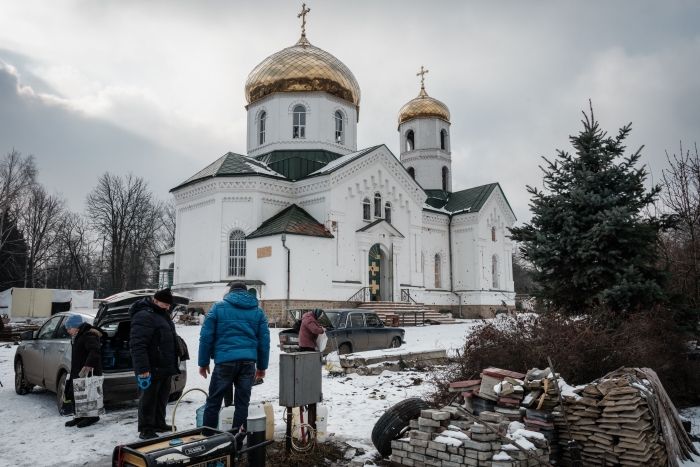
<point x="33" y="433"/>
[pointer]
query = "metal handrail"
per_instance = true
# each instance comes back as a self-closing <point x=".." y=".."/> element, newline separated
<point x="362" y="295"/>
<point x="406" y="296"/>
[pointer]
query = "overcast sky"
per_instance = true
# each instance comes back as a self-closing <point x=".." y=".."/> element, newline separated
<point x="156" y="87"/>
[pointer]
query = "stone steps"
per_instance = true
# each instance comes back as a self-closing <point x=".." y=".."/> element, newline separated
<point x="391" y="308"/>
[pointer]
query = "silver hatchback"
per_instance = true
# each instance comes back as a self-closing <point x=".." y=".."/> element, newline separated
<point x="43" y="357"/>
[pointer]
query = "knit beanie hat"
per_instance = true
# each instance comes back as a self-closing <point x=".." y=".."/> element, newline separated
<point x="74" y="321"/>
<point x="165" y="296"/>
<point x="317" y="313"/>
<point x="237" y="285"/>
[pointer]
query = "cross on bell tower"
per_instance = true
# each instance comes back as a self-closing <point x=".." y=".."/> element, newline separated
<point x="422" y="77"/>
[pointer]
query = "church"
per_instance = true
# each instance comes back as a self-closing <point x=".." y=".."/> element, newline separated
<point x="306" y="219"/>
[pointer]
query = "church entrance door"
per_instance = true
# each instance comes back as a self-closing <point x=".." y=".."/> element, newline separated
<point x="375" y="274"/>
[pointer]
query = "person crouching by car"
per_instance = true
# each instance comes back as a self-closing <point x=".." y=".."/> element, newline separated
<point x="310" y="330"/>
<point x="154" y="353"/>
<point x="85" y="357"/>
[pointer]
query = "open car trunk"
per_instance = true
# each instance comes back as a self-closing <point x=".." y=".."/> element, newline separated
<point x="113" y="318"/>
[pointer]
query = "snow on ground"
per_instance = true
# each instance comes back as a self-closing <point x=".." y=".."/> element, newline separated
<point x="33" y="433"/>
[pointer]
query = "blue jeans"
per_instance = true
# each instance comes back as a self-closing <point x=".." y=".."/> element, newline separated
<point x="240" y="373"/>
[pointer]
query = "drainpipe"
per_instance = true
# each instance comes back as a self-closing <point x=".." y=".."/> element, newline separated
<point x="284" y="239"/>
<point x="452" y="288"/>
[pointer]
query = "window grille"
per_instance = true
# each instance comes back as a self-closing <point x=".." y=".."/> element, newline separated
<point x="237" y="254"/>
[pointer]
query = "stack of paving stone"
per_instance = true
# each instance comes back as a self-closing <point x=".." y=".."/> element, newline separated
<point x="610" y="420"/>
<point x="542" y="393"/>
<point x="444" y="438"/>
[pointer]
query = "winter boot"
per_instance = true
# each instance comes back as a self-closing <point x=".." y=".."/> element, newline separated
<point x="75" y="421"/>
<point x="149" y="434"/>
<point x="164" y="428"/>
<point x="87" y="421"/>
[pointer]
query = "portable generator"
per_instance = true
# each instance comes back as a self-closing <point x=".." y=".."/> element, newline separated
<point x="186" y="449"/>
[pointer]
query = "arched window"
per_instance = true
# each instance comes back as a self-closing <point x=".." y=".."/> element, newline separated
<point x="443" y="140"/>
<point x="438" y="267"/>
<point x="377" y="205"/>
<point x="338" y="127"/>
<point x="236" y="254"/>
<point x="493" y="234"/>
<point x="412" y="172"/>
<point x="299" y="128"/>
<point x="445" y="174"/>
<point x="410" y="141"/>
<point x="366" y="209"/>
<point x="261" y="128"/>
<point x="387" y="212"/>
<point x="494" y="272"/>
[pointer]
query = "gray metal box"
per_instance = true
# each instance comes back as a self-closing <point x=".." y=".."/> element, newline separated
<point x="300" y="379"/>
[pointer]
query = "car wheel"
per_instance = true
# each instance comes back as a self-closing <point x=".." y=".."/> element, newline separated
<point x="60" y="390"/>
<point x="395" y="343"/>
<point x="344" y="349"/>
<point x="395" y="422"/>
<point x="174" y="396"/>
<point x="21" y="386"/>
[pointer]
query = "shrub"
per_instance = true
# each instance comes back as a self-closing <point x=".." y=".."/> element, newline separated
<point x="582" y="350"/>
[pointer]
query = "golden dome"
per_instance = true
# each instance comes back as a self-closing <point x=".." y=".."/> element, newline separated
<point x="302" y="67"/>
<point x="423" y="106"/>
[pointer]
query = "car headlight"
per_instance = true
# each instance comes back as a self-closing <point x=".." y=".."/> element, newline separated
<point x="283" y="338"/>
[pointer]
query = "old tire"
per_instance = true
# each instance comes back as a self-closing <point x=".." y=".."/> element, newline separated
<point x="395" y="343"/>
<point x="21" y="386"/>
<point x="344" y="349"/>
<point x="60" y="390"/>
<point x="394" y="423"/>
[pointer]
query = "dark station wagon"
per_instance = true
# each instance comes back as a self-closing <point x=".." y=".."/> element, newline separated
<point x="43" y="357"/>
<point x="348" y="331"/>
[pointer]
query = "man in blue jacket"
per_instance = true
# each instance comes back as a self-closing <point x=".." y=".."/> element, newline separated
<point x="235" y="333"/>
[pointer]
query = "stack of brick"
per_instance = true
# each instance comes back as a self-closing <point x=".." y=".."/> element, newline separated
<point x="497" y="390"/>
<point x="444" y="438"/>
<point x="611" y="420"/>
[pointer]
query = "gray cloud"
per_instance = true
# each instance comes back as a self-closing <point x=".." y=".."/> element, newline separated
<point x="157" y="87"/>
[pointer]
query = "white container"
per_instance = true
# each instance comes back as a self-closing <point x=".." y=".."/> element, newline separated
<point x="321" y="423"/>
<point x="226" y="418"/>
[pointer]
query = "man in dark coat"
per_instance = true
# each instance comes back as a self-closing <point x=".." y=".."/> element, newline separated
<point x="154" y="353"/>
<point x="85" y="357"/>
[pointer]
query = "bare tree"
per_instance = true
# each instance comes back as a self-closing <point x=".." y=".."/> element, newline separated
<point x="124" y="212"/>
<point x="40" y="217"/>
<point x="681" y="248"/>
<point x="17" y="177"/>
<point x="167" y="236"/>
<point x="78" y="264"/>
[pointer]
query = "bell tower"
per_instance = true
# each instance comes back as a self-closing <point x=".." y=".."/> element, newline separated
<point x="424" y="139"/>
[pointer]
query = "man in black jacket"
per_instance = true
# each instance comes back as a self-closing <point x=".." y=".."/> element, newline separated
<point x="85" y="357"/>
<point x="154" y="353"/>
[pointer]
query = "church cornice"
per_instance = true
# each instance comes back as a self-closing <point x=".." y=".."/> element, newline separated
<point x="201" y="204"/>
<point x="394" y="167"/>
<point x="417" y="156"/>
<point x="267" y="147"/>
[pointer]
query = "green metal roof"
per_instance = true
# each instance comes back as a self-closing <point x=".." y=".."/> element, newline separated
<point x="230" y="165"/>
<point x="292" y="220"/>
<point x="471" y="199"/>
<point x="345" y="160"/>
<point x="296" y="165"/>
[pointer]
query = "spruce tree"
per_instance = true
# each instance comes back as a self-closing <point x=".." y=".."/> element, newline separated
<point x="589" y="238"/>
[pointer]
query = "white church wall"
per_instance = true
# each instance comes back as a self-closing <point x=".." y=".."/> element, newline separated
<point x="320" y="123"/>
<point x="435" y="242"/>
<point x="267" y="262"/>
<point x="373" y="174"/>
<point x="196" y="243"/>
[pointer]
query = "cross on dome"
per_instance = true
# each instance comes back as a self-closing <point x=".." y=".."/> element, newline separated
<point x="302" y="15"/>
<point x="422" y="77"/>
